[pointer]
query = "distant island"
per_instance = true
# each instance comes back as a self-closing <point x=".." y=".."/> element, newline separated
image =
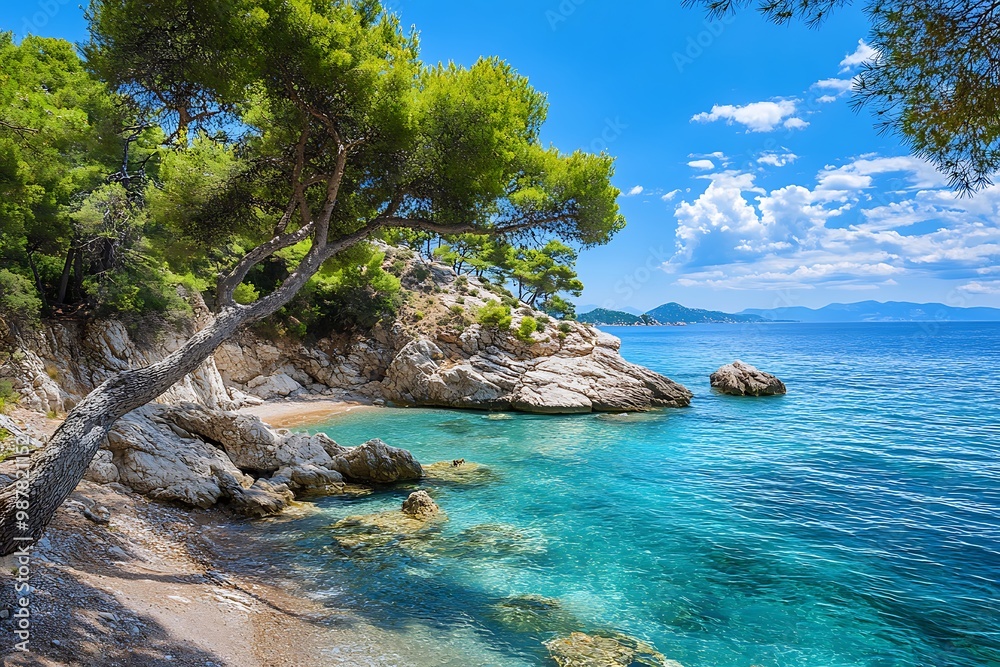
<point x="864" y="311"/>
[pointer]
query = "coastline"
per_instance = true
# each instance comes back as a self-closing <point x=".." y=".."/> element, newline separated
<point x="303" y="411"/>
<point x="163" y="584"/>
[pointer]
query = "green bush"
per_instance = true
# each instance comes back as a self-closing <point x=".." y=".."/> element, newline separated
<point x="245" y="294"/>
<point x="18" y="297"/>
<point x="543" y="321"/>
<point x="565" y="328"/>
<point x="527" y="327"/>
<point x="495" y="314"/>
<point x="8" y="397"/>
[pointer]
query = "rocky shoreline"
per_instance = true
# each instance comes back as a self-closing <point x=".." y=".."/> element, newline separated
<point x="202" y="456"/>
<point x="434" y="353"/>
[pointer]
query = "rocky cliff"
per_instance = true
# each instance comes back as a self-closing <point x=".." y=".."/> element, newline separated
<point x="434" y="353"/>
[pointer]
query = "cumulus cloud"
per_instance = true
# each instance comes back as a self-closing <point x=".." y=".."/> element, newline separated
<point x="861" y="55"/>
<point x="977" y="287"/>
<point x="637" y="190"/>
<point x="833" y="232"/>
<point x="757" y="116"/>
<point x="776" y="159"/>
<point x="838" y="86"/>
<point x="701" y="164"/>
<point x="670" y="195"/>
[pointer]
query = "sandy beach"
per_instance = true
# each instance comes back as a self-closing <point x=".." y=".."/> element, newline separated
<point x="296" y="412"/>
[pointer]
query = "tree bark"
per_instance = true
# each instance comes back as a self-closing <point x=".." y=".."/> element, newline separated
<point x="57" y="469"/>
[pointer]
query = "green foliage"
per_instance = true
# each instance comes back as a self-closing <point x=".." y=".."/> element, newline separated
<point x="195" y="132"/>
<point x="8" y="397"/>
<point x="245" y="294"/>
<point x="565" y="328"/>
<point x="559" y="307"/>
<point x="543" y="321"/>
<point x="495" y="315"/>
<point x="351" y="290"/>
<point x="528" y="326"/>
<point x="18" y="297"/>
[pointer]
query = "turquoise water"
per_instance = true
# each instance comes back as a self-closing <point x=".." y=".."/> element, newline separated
<point x="855" y="521"/>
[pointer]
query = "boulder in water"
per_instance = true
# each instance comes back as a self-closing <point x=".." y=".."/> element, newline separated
<point x="740" y="379"/>
<point x="583" y="650"/>
<point x="420" y="505"/>
<point x="377" y="462"/>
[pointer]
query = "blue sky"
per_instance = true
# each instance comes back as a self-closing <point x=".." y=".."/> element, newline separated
<point x="748" y="180"/>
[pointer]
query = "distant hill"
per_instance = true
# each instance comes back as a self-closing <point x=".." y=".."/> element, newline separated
<point x="590" y="307"/>
<point x="670" y="313"/>
<point x="874" y="311"/>
<point x="611" y="317"/>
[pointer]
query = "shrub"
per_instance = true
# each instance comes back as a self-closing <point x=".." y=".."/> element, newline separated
<point x="419" y="315"/>
<point x="543" y="321"/>
<point x="527" y="327"/>
<point x="565" y="328"/>
<point x="245" y="294"/>
<point x="8" y="397"/>
<point x="18" y="297"/>
<point x="495" y="314"/>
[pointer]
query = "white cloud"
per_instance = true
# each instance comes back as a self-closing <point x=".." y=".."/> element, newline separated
<point x="836" y="85"/>
<point x="756" y="117"/>
<point x="837" y="232"/>
<point x="861" y="55"/>
<point x="777" y="159"/>
<point x="701" y="164"/>
<point x="637" y="190"/>
<point x="826" y="99"/>
<point x="977" y="287"/>
<point x="670" y="195"/>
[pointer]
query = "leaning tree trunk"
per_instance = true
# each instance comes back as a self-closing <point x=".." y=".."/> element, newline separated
<point x="57" y="469"/>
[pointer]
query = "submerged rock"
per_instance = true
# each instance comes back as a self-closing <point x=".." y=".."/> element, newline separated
<point x="416" y="520"/>
<point x="618" y="650"/>
<point x="465" y="473"/>
<point x="740" y="379"/>
<point x="533" y="614"/>
<point x="501" y="539"/>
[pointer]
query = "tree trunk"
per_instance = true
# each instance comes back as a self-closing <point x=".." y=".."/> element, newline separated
<point x="57" y="469"/>
<point x="64" y="279"/>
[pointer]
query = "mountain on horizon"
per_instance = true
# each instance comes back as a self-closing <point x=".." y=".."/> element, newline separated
<point x="862" y="311"/>
<point x="875" y="311"/>
<point x="673" y="312"/>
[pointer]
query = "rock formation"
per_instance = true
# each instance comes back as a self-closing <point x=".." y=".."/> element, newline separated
<point x="420" y="505"/>
<point x="418" y="519"/>
<point x="435" y="353"/>
<point x="196" y="456"/>
<point x="583" y="650"/>
<point x="740" y="379"/>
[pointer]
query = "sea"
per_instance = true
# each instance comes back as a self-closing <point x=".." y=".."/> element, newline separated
<point x="854" y="522"/>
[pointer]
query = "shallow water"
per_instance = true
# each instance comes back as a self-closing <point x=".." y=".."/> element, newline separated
<point x="855" y="521"/>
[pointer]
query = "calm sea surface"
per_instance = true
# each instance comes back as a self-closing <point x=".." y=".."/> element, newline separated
<point x="855" y="521"/>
